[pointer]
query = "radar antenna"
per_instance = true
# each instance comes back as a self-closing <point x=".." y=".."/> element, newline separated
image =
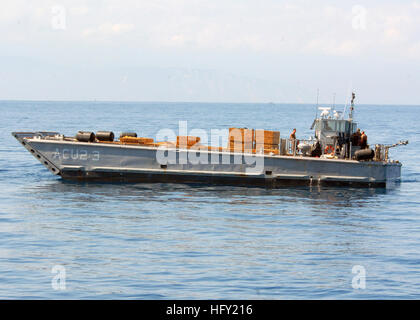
<point x="325" y="112"/>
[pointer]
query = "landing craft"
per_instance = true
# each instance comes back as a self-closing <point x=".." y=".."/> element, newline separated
<point x="333" y="156"/>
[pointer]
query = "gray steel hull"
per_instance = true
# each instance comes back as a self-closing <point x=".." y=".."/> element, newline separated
<point x="131" y="163"/>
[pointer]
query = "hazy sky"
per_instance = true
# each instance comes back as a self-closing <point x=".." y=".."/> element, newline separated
<point x="216" y="50"/>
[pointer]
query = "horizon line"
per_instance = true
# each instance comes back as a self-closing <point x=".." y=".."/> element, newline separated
<point x="205" y="102"/>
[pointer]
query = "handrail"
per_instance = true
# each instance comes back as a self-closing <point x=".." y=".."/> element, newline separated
<point x="382" y="150"/>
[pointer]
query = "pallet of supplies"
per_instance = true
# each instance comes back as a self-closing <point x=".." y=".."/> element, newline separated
<point x="269" y="137"/>
<point x="186" y="141"/>
<point x="135" y="140"/>
<point x="244" y="135"/>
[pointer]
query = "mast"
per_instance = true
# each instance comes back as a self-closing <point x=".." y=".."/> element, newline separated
<point x="353" y="96"/>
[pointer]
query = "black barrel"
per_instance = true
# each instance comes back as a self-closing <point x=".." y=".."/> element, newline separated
<point x="128" y="134"/>
<point x="105" y="135"/>
<point x="364" y="154"/>
<point x="85" y="136"/>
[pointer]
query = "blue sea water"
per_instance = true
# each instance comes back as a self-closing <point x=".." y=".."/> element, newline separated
<point x="175" y="241"/>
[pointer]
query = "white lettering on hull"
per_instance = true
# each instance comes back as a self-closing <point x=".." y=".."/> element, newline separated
<point x="75" y="154"/>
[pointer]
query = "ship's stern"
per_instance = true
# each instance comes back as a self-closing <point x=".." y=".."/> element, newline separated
<point x="393" y="173"/>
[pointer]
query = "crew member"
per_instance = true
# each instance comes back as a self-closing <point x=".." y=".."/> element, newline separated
<point x="293" y="140"/>
<point x="337" y="150"/>
<point x="356" y="137"/>
<point x="359" y="136"/>
<point x="363" y="141"/>
<point x="316" y="150"/>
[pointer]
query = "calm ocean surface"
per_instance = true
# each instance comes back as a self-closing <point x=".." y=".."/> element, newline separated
<point x="166" y="241"/>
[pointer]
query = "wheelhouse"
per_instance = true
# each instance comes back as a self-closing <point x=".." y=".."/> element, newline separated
<point x="333" y="126"/>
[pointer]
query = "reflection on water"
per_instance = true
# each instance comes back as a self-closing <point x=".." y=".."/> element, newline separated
<point x="255" y="242"/>
<point x="322" y="196"/>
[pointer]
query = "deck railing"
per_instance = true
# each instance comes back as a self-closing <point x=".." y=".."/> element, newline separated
<point x="381" y="152"/>
<point x="290" y="146"/>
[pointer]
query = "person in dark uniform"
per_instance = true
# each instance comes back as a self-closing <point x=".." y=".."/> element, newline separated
<point x="293" y="135"/>
<point x="356" y="137"/>
<point x="337" y="150"/>
<point x="316" y="150"/>
<point x="359" y="137"/>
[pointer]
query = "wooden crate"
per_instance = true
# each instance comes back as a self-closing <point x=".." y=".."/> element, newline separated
<point x="168" y="144"/>
<point x="241" y="134"/>
<point x="241" y="148"/>
<point x="186" y="141"/>
<point x="270" y="137"/>
<point x="136" y="140"/>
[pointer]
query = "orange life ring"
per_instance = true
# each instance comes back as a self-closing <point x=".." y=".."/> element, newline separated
<point x="329" y="149"/>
